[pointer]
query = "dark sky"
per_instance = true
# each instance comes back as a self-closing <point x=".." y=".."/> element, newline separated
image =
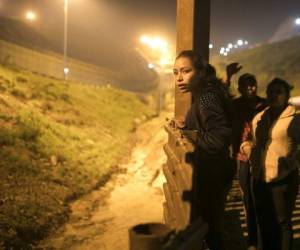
<point x="121" y="22"/>
<point x="254" y="20"/>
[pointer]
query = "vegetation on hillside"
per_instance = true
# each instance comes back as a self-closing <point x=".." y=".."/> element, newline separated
<point x="57" y="141"/>
<point x="280" y="59"/>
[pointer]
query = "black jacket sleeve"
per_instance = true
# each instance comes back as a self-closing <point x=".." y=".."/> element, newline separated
<point x="215" y="130"/>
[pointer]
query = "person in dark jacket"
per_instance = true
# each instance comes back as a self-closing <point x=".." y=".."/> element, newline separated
<point x="245" y="108"/>
<point x="209" y="115"/>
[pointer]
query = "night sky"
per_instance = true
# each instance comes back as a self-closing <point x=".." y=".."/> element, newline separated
<point x="121" y="22"/>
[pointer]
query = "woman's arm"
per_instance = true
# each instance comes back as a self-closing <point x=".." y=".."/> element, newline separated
<point x="215" y="131"/>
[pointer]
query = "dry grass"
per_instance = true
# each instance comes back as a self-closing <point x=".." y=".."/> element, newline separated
<point x="57" y="141"/>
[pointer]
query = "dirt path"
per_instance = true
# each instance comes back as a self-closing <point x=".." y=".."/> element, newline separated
<point x="101" y="219"/>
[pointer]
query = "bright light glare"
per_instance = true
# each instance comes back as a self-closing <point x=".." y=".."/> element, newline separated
<point x="163" y="61"/>
<point x="297" y="21"/>
<point x="157" y="51"/>
<point x="154" y="43"/>
<point x="211" y="46"/>
<point x="227" y="49"/>
<point x="150" y="66"/>
<point x="66" y="71"/>
<point x="30" y="15"/>
<point x="230" y="46"/>
<point x="246" y="42"/>
<point x="158" y="43"/>
<point x="144" y="39"/>
<point x="240" y="42"/>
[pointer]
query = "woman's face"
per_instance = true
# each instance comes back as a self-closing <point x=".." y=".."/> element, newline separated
<point x="277" y="96"/>
<point x="184" y="74"/>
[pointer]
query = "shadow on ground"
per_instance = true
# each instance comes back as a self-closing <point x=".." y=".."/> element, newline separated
<point x="235" y="227"/>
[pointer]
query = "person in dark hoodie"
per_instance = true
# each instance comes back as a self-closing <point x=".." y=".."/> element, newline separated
<point x="209" y="114"/>
<point x="245" y="108"/>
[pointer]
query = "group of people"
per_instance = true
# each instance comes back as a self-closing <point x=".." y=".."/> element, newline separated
<point x="263" y="135"/>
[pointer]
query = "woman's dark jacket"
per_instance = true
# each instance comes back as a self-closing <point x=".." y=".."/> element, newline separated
<point x="210" y="115"/>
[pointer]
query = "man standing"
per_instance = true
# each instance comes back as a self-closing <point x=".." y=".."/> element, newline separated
<point x="245" y="108"/>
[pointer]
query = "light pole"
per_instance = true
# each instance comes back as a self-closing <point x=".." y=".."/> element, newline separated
<point x="66" y="69"/>
<point x="156" y="50"/>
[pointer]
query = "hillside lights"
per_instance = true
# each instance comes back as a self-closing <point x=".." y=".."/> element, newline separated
<point x="240" y="42"/>
<point x="230" y="46"/>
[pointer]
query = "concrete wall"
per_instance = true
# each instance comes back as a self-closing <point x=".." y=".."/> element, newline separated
<point x="51" y="64"/>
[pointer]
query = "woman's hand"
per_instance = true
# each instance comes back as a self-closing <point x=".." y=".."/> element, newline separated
<point x="246" y="148"/>
<point x="232" y="69"/>
<point x="177" y="123"/>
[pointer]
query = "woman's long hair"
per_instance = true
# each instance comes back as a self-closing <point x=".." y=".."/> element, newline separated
<point x="206" y="76"/>
<point x="206" y="80"/>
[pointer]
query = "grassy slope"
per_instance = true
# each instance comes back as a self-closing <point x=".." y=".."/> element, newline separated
<point x="57" y="141"/>
<point x="280" y="59"/>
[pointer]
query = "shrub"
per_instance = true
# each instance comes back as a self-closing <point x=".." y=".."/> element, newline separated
<point x="29" y="126"/>
<point x="21" y="79"/>
<point x="6" y="137"/>
<point x="18" y="93"/>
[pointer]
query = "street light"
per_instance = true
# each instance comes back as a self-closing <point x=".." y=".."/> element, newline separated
<point x="157" y="51"/>
<point x="150" y="65"/>
<point x="30" y="15"/>
<point x="66" y="69"/>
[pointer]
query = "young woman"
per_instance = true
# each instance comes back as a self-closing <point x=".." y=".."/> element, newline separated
<point x="209" y="115"/>
<point x="274" y="166"/>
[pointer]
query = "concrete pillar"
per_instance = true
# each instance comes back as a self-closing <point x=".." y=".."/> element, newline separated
<point x="193" y="25"/>
<point x="192" y="33"/>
